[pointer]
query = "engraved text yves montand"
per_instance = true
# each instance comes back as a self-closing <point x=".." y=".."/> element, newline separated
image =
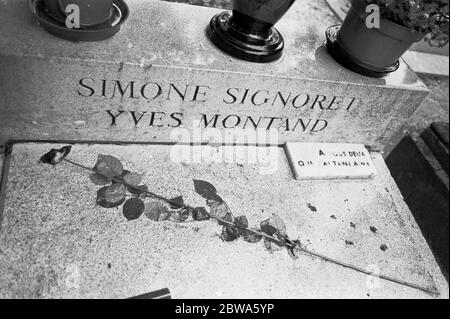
<point x="152" y="93"/>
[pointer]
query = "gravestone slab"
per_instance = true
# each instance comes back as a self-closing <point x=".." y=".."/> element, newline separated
<point x="160" y="78"/>
<point x="56" y="242"/>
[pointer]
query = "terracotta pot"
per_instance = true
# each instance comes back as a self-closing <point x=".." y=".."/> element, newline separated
<point x="92" y="12"/>
<point x="378" y="48"/>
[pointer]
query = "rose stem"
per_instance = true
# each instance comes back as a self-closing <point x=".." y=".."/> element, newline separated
<point x="323" y="257"/>
<point x="264" y="235"/>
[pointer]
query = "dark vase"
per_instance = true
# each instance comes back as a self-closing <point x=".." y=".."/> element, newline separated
<point x="248" y="31"/>
<point x="370" y="51"/>
<point x="92" y="12"/>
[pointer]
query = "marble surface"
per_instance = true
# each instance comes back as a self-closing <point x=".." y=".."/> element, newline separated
<point x="55" y="242"/>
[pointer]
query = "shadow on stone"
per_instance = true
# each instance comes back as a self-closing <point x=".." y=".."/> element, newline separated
<point x="420" y="169"/>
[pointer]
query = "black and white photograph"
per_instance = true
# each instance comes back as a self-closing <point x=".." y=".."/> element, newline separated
<point x="224" y="155"/>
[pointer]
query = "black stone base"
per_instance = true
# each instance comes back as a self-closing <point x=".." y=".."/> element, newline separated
<point x="236" y="41"/>
<point x="436" y="138"/>
<point x="424" y="184"/>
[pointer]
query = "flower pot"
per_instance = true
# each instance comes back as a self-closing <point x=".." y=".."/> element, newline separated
<point x="248" y="32"/>
<point x="92" y="12"/>
<point x="370" y="51"/>
<point x="52" y="20"/>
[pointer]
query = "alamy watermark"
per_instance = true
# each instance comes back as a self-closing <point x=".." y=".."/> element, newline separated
<point x="73" y="16"/>
<point x="373" y="18"/>
<point x="237" y="146"/>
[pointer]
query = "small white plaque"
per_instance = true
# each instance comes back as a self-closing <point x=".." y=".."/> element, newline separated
<point x="330" y="161"/>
